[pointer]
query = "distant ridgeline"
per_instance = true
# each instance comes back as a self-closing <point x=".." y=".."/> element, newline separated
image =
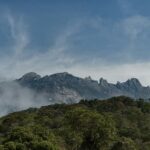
<point x="119" y="123"/>
<point x="32" y="90"/>
<point x="64" y="87"/>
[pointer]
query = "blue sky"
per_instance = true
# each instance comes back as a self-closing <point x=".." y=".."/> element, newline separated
<point x="100" y="38"/>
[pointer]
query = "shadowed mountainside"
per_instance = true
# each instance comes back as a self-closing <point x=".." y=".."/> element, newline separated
<point x="68" y="88"/>
<point x="32" y="90"/>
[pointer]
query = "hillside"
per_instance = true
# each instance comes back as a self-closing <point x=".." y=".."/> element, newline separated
<point x="119" y="123"/>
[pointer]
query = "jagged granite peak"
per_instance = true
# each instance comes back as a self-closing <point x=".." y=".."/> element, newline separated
<point x="118" y="83"/>
<point x="134" y="81"/>
<point x="30" y="76"/>
<point x="67" y="87"/>
<point x="130" y="85"/>
<point x="61" y="74"/>
<point x="88" y="78"/>
<point x="103" y="82"/>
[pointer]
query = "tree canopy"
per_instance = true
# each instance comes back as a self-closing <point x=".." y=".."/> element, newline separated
<point x="119" y="123"/>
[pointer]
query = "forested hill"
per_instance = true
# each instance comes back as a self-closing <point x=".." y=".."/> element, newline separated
<point x="119" y="123"/>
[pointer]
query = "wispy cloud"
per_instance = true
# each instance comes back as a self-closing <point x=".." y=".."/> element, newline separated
<point x="18" y="32"/>
<point x="126" y="7"/>
<point x="136" y="26"/>
<point x="114" y="72"/>
<point x="54" y="59"/>
<point x="118" y="63"/>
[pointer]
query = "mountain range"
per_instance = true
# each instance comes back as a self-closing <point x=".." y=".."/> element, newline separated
<point x="64" y="87"/>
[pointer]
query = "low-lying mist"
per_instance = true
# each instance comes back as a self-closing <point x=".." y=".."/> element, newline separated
<point x="14" y="97"/>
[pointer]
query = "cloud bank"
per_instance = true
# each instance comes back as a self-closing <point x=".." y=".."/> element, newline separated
<point x="14" y="97"/>
<point x="124" y="55"/>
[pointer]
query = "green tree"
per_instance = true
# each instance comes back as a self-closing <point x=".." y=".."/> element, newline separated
<point x="1" y="147"/>
<point x="97" y="130"/>
<point x="20" y="146"/>
<point x="21" y="134"/>
<point x="124" y="144"/>
<point x="10" y="146"/>
<point x="44" y="145"/>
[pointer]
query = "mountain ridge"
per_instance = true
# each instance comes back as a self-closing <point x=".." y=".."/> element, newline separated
<point x="33" y="90"/>
<point x="71" y="88"/>
<point x="89" y="78"/>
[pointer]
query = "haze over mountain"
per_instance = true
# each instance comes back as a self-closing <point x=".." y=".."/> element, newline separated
<point x="65" y="87"/>
<point x="32" y="90"/>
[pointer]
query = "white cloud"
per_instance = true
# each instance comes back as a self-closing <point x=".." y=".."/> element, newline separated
<point x="18" y="33"/>
<point x="135" y="26"/>
<point x="126" y="7"/>
<point x="114" y="73"/>
<point x="53" y="59"/>
<point x="57" y="58"/>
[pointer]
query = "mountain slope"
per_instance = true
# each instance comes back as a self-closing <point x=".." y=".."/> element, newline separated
<point x="32" y="90"/>
<point x="119" y="123"/>
<point x="68" y="88"/>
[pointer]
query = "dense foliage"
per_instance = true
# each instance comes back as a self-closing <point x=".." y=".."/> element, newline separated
<point x="119" y="123"/>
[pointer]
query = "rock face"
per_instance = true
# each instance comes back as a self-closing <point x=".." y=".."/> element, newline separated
<point x="29" y="77"/>
<point x="64" y="87"/>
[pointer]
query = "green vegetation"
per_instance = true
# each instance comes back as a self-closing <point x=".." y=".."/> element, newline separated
<point x="119" y="123"/>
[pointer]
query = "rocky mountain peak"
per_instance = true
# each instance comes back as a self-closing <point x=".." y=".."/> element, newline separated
<point x="103" y="82"/>
<point x="134" y="82"/>
<point x="30" y="76"/>
<point x="62" y="74"/>
<point x="88" y="78"/>
<point x="58" y="85"/>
